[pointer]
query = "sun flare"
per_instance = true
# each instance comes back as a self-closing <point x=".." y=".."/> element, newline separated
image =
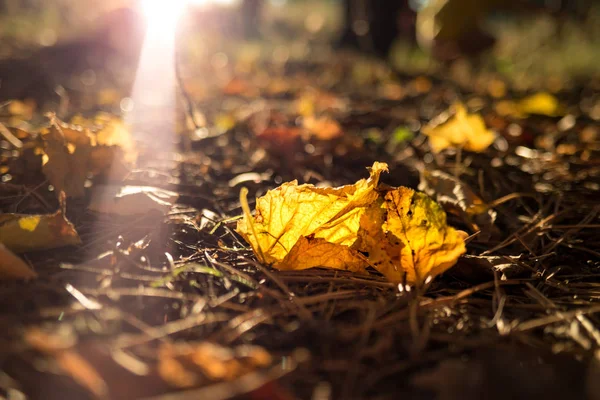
<point x="163" y="16"/>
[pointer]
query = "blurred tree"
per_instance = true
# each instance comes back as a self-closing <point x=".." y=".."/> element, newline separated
<point x="447" y="28"/>
<point x="374" y="24"/>
<point x="251" y="11"/>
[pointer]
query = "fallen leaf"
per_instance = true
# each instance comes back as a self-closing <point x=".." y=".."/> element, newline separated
<point x="67" y="152"/>
<point x="311" y="252"/>
<point x="541" y="103"/>
<point x="292" y="211"/>
<point x="275" y="131"/>
<point x="219" y="362"/>
<point x="131" y="200"/>
<point x="73" y="153"/>
<point x="472" y="267"/>
<point x="61" y="349"/>
<point x="110" y="131"/>
<point x="21" y="110"/>
<point x="108" y="97"/>
<point x="459" y="199"/>
<point x="462" y="130"/>
<point x="225" y="122"/>
<point x="175" y="374"/>
<point x="401" y="233"/>
<point x="417" y="233"/>
<point x="183" y="364"/>
<point x="421" y="84"/>
<point x="12" y="267"/>
<point x="313" y="101"/>
<point x="21" y="233"/>
<point x="240" y="87"/>
<point x="324" y="128"/>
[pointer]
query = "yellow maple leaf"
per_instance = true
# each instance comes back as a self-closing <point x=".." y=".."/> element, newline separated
<point x="464" y="130"/>
<point x="292" y="211"/>
<point x="401" y="233"/>
<point x="414" y="243"/>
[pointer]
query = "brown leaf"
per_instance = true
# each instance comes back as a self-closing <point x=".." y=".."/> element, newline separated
<point x="21" y="232"/>
<point x="66" y="162"/>
<point x="131" y="200"/>
<point x="61" y="349"/>
<point x="12" y="267"/>
<point x="180" y="364"/>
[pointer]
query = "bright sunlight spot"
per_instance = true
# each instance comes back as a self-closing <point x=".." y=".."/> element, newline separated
<point x="163" y="15"/>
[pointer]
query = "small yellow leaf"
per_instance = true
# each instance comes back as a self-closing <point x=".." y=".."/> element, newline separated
<point x="21" y="233"/>
<point x="292" y="211"/>
<point x="541" y="103"/>
<point x="467" y="131"/>
<point x="225" y="122"/>
<point x="417" y="234"/>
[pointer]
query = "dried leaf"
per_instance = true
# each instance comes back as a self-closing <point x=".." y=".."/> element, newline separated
<point x="22" y="110"/>
<point x="21" y="233"/>
<point x="292" y="211"/>
<point x="312" y="102"/>
<point x="323" y="128"/>
<point x="311" y="252"/>
<point x="471" y="266"/>
<point x="416" y="232"/>
<point x="131" y="200"/>
<point x="69" y="360"/>
<point x="12" y="267"/>
<point x="110" y="131"/>
<point x="467" y="131"/>
<point x="72" y="152"/>
<point x="182" y="365"/>
<point x="175" y="374"/>
<point x="402" y="233"/>
<point x="221" y="363"/>
<point x="67" y="156"/>
<point x="458" y="198"/>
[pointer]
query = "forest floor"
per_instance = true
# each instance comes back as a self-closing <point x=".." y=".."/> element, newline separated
<point x="174" y="305"/>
